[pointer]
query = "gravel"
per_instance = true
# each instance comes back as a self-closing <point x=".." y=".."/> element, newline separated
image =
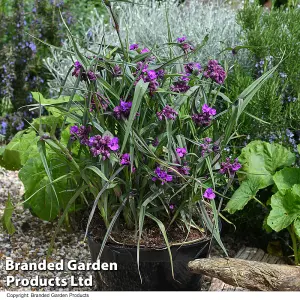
<point x="31" y="240"/>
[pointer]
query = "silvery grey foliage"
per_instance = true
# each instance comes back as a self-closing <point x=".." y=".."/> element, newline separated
<point x="146" y="24"/>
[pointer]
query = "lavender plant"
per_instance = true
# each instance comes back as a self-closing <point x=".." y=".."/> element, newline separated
<point x="22" y="70"/>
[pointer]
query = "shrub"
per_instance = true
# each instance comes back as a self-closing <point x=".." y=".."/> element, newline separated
<point x="270" y="35"/>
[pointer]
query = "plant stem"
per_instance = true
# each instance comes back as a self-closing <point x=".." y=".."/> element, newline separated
<point x="117" y="27"/>
<point x="259" y="202"/>
<point x="294" y="241"/>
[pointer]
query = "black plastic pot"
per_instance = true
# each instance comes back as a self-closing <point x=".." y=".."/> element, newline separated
<point x="155" y="267"/>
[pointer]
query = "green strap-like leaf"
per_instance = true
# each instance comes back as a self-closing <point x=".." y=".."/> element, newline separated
<point x="139" y="93"/>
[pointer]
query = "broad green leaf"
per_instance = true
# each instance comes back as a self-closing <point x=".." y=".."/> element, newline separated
<point x="285" y="208"/>
<point x="21" y="148"/>
<point x="44" y="204"/>
<point x="6" y="218"/>
<point x="286" y="178"/>
<point x="243" y="195"/>
<point x="63" y="99"/>
<point x="260" y="160"/>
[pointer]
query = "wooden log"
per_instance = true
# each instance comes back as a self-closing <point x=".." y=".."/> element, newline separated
<point x="252" y="275"/>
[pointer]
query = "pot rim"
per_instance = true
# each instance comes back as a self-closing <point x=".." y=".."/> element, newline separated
<point x="142" y="247"/>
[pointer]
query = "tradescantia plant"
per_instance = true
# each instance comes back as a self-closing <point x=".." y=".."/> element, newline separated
<point x="266" y="165"/>
<point x="140" y="141"/>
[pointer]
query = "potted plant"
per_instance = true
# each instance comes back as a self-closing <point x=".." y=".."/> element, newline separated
<point x="139" y="146"/>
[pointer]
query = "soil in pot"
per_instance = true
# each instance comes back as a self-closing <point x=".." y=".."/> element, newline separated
<point x="154" y="266"/>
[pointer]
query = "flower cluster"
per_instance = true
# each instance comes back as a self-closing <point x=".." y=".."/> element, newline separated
<point x="215" y="72"/>
<point x="136" y="48"/>
<point x="123" y="110"/>
<point x="162" y="175"/>
<point x="181" y="85"/>
<point x="230" y="168"/>
<point x="204" y="118"/>
<point x="84" y="76"/>
<point x="183" y="170"/>
<point x="125" y="161"/>
<point x="181" y="152"/>
<point x="192" y="68"/>
<point x="103" y="145"/>
<point x="167" y="113"/>
<point x="148" y="75"/>
<point x="81" y="133"/>
<point x="117" y="71"/>
<point x="207" y="146"/>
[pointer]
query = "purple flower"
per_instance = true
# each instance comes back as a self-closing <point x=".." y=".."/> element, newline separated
<point x="204" y="118"/>
<point x="142" y="66"/>
<point x="192" y="68"/>
<point x="133" y="46"/>
<point x="206" y="146"/>
<point x="122" y="110"/>
<point x="74" y="130"/>
<point x="184" y="78"/>
<point x="186" y="47"/>
<point x="160" y="73"/>
<point x="171" y="207"/>
<point x="77" y="68"/>
<point x="201" y="119"/>
<point x="180" y="87"/>
<point x="103" y="145"/>
<point x="77" y="64"/>
<point x="167" y="113"/>
<point x="117" y="71"/>
<point x="82" y="133"/>
<point x="3" y="128"/>
<point x="125" y="159"/>
<point x="181" y="152"/>
<point x="183" y="170"/>
<point x="32" y="46"/>
<point x="91" y="75"/>
<point x="230" y="168"/>
<point x="206" y="109"/>
<point x="215" y="72"/>
<point x="155" y="142"/>
<point x="20" y="126"/>
<point x="145" y="50"/>
<point x="114" y="144"/>
<point x="181" y="39"/>
<point x="162" y="175"/>
<point x="151" y="75"/>
<point x="98" y="101"/>
<point x="209" y="194"/>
